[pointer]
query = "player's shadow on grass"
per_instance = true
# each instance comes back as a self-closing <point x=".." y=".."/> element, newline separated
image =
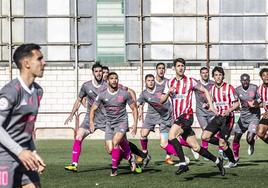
<point x="94" y="169"/>
<point x="196" y="163"/>
<point x="147" y="170"/>
<point x="215" y="175"/>
<point x="257" y="161"/>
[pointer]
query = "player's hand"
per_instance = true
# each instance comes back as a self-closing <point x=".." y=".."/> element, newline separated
<point x="134" y="130"/>
<point x="91" y="127"/>
<point x="69" y="119"/>
<point x="212" y="109"/>
<point x="29" y="160"/>
<point x="251" y="104"/>
<point x="171" y="89"/>
<point x="265" y="115"/>
<point x="226" y="113"/>
<point x="42" y="165"/>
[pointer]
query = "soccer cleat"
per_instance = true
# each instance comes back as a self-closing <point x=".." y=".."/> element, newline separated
<point x="71" y="167"/>
<point x="182" y="169"/>
<point x="132" y="163"/>
<point x="222" y="154"/>
<point x="114" y="172"/>
<point x="169" y="161"/>
<point x="205" y="159"/>
<point x="230" y="165"/>
<point x="138" y="169"/>
<point x="187" y="161"/>
<point x="146" y="161"/>
<point x="195" y="154"/>
<point x="250" y="149"/>
<point x="220" y="166"/>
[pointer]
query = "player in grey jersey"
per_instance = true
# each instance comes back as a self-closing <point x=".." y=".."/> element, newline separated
<point x="19" y="103"/>
<point x="114" y="100"/>
<point x="249" y="115"/>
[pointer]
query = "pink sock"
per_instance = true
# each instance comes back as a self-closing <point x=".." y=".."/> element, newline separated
<point x="115" y="157"/>
<point x="125" y="148"/>
<point x="183" y="142"/>
<point x="144" y="144"/>
<point x="170" y="149"/>
<point x="236" y="147"/>
<point x="76" y="151"/>
<point x="204" y="144"/>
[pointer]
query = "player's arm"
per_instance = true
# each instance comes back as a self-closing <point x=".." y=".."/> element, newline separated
<point x="132" y="93"/>
<point x="93" y="109"/>
<point x="84" y="102"/>
<point x="134" y="109"/>
<point x="140" y="105"/>
<point x="76" y="106"/>
<point x="208" y="97"/>
<point x="7" y="102"/>
<point x="41" y="163"/>
<point x="166" y="93"/>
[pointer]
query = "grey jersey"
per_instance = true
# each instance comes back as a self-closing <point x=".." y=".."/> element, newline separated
<point x="18" y="112"/>
<point x="153" y="100"/>
<point x="152" y="115"/>
<point x="201" y="100"/>
<point x="115" y="105"/>
<point x="247" y="113"/>
<point x="91" y="91"/>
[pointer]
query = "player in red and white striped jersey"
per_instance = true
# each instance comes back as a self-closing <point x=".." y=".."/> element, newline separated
<point x="263" y="92"/>
<point x="180" y="89"/>
<point x="226" y="101"/>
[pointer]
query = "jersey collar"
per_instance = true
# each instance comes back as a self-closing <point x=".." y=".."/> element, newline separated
<point x="25" y="87"/>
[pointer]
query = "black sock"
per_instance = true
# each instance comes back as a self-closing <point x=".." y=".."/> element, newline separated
<point x="177" y="146"/>
<point x="229" y="153"/>
<point x="134" y="149"/>
<point x="205" y="153"/>
<point x="266" y="140"/>
<point x="213" y="140"/>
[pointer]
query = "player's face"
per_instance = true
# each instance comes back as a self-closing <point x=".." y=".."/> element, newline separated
<point x="160" y="71"/>
<point x="264" y="78"/>
<point x="245" y="82"/>
<point x="97" y="72"/>
<point x="218" y="77"/>
<point x="36" y="64"/>
<point x="179" y="68"/>
<point x="204" y="75"/>
<point x="150" y="83"/>
<point x="113" y="81"/>
<point x="105" y="74"/>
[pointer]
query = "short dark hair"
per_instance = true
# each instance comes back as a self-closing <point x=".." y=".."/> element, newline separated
<point x="246" y="75"/>
<point x="96" y="65"/>
<point x="219" y="69"/>
<point x="180" y="60"/>
<point x="105" y="68"/>
<point x="149" y="76"/>
<point x="263" y="71"/>
<point x="204" y="68"/>
<point x="160" y="63"/>
<point x="24" y="50"/>
<point x="111" y="74"/>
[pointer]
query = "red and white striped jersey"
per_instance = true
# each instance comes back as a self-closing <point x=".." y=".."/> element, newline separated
<point x="223" y="97"/>
<point x="263" y="92"/>
<point x="181" y="96"/>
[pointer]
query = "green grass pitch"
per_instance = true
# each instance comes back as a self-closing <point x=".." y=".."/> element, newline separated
<point x="94" y="168"/>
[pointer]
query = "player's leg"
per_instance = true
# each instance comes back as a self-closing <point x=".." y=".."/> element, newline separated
<point x="26" y="179"/>
<point x="164" y="128"/>
<point x="203" y="122"/>
<point x="262" y="130"/>
<point x="251" y="136"/>
<point x="144" y="140"/>
<point x="238" y="132"/>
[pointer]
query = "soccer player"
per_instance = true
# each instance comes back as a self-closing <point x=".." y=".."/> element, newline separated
<point x="263" y="92"/>
<point x="249" y="114"/>
<point x="19" y="103"/>
<point x="105" y="71"/>
<point x="89" y="89"/>
<point x="202" y="113"/>
<point x="114" y="101"/>
<point x="180" y="89"/>
<point x="226" y="101"/>
<point x="153" y="117"/>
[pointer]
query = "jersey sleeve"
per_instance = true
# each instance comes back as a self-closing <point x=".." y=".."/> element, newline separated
<point x="98" y="100"/>
<point x="196" y="84"/>
<point x="141" y="99"/>
<point x="8" y="99"/>
<point x="82" y="92"/>
<point x="129" y="98"/>
<point x="166" y="87"/>
<point x="233" y="94"/>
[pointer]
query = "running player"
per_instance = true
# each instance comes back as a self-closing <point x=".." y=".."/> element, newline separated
<point x="180" y="89"/>
<point x="263" y="92"/>
<point x="19" y="103"/>
<point x="249" y="115"/>
<point x="114" y="101"/>
<point x="226" y="101"/>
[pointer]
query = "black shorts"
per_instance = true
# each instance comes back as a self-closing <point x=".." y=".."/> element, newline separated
<point x="263" y="121"/>
<point x="185" y="121"/>
<point x="221" y="124"/>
